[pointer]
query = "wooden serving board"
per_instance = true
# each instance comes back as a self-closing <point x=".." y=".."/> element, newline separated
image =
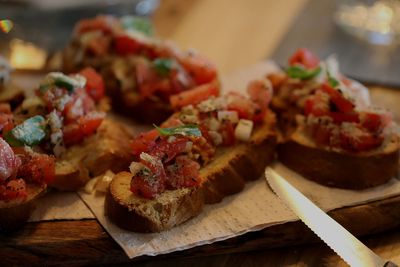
<point x="74" y="243"/>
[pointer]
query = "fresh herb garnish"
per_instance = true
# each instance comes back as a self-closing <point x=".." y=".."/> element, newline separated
<point x="332" y="80"/>
<point x="31" y="132"/>
<point x="299" y="72"/>
<point x="137" y="24"/>
<point x="163" y="66"/>
<point x="189" y="129"/>
<point x="58" y="79"/>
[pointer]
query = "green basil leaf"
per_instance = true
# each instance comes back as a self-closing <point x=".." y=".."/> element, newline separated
<point x="137" y="24"/>
<point x="58" y="79"/>
<point x="332" y="80"/>
<point x="299" y="72"/>
<point x="31" y="132"/>
<point x="189" y="129"/>
<point x="163" y="66"/>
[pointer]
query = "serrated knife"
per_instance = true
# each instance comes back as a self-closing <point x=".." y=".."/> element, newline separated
<point x="349" y="248"/>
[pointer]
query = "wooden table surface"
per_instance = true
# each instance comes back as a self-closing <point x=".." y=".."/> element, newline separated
<point x="234" y="34"/>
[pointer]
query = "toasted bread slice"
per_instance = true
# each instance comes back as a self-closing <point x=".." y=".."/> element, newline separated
<point x="15" y="213"/>
<point x="108" y="149"/>
<point x="338" y="168"/>
<point x="226" y="174"/>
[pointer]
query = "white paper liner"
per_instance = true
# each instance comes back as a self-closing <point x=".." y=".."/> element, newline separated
<point x="253" y="209"/>
<point x="60" y="206"/>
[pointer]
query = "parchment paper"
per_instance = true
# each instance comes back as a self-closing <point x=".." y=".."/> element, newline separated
<point x="253" y="209"/>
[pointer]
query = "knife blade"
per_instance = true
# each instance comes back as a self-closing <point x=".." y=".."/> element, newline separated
<point x="348" y="247"/>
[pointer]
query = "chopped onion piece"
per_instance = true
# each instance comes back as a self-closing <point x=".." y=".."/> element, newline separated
<point x="227" y="115"/>
<point x="243" y="130"/>
<point x="89" y="186"/>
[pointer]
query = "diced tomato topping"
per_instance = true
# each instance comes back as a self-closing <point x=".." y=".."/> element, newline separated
<point x="339" y="117"/>
<point x="364" y="142"/>
<point x="13" y="189"/>
<point x="343" y="104"/>
<point x="37" y="168"/>
<point x="242" y="105"/>
<point x="144" y="142"/>
<point x="9" y="163"/>
<point x="305" y="58"/>
<point x="260" y="92"/>
<point x="78" y="106"/>
<point x="126" y="45"/>
<point x="183" y="173"/>
<point x="151" y="182"/>
<point x="228" y="133"/>
<point x="194" y="96"/>
<point x="199" y="68"/>
<point x="168" y="150"/>
<point x="94" y="83"/>
<point x="85" y="126"/>
<point x="375" y="122"/>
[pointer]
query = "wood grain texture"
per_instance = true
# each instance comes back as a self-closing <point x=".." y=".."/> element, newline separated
<point x="78" y="243"/>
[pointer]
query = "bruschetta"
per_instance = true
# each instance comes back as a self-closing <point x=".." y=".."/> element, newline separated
<point x="141" y="71"/>
<point x="330" y="132"/>
<point x="24" y="175"/>
<point x="202" y="153"/>
<point x="64" y="119"/>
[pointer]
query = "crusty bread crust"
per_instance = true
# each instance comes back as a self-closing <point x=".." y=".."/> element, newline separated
<point x="137" y="214"/>
<point x="226" y="174"/>
<point x="14" y="214"/>
<point x="108" y="149"/>
<point x="339" y="168"/>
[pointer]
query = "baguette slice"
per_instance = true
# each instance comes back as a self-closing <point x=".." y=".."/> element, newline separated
<point x="14" y="214"/>
<point x="340" y="168"/>
<point x="226" y="174"/>
<point x="108" y="149"/>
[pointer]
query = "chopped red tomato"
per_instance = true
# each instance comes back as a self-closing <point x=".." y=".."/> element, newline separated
<point x="242" y="105"/>
<point x="260" y="92"/>
<point x="94" y="83"/>
<point x="339" y="117"/>
<point x="37" y="168"/>
<point x="199" y="68"/>
<point x="168" y="149"/>
<point x="375" y="122"/>
<point x="85" y="126"/>
<point x="14" y="189"/>
<point x="78" y="106"/>
<point x="183" y="173"/>
<point x="144" y="142"/>
<point x="228" y="133"/>
<point x="150" y="181"/>
<point x="305" y="58"/>
<point x="9" y="163"/>
<point x="194" y="96"/>
<point x="343" y="104"/>
<point x="362" y="142"/>
<point x="126" y="45"/>
<point x="6" y="122"/>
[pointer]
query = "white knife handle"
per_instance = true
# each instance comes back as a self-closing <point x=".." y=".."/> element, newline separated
<point x="390" y="264"/>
